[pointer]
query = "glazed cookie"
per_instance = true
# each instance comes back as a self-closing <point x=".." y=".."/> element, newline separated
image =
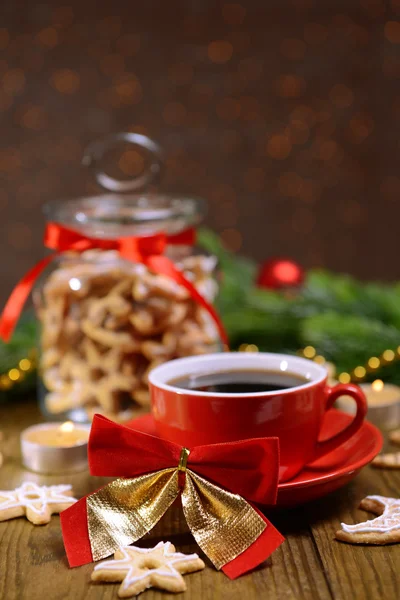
<point x="385" y="529"/>
<point x="35" y="502"/>
<point x="140" y="568"/>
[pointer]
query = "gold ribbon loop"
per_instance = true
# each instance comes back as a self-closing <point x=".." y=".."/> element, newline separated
<point x="125" y="510"/>
<point x="223" y="524"/>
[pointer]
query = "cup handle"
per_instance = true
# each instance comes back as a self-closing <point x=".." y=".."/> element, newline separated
<point x="332" y="393"/>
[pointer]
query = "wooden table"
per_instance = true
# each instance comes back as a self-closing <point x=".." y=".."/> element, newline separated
<point x="309" y="565"/>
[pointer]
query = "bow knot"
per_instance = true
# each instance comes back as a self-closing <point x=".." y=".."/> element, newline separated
<point x="220" y="482"/>
<point x="183" y="458"/>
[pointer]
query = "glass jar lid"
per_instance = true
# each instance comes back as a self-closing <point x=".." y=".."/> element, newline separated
<point x="115" y="214"/>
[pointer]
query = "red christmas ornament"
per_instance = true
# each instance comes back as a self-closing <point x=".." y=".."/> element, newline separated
<point x="280" y="273"/>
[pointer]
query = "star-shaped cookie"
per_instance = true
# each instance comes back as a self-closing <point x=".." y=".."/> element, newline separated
<point x="36" y="502"/>
<point x="141" y="568"/>
<point x="385" y="529"/>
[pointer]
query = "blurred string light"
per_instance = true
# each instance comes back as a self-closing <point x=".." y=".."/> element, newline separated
<point x="360" y="372"/>
<point x="357" y="375"/>
<point x="18" y="373"/>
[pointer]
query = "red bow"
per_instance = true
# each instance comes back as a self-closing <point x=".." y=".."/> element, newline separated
<point x="247" y="469"/>
<point x="146" y="249"/>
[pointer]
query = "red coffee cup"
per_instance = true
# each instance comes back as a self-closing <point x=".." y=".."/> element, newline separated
<point x="294" y="414"/>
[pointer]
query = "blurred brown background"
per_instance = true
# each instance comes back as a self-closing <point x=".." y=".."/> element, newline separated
<point x="283" y="114"/>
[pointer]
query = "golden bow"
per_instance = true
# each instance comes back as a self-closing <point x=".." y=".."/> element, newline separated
<point x="223" y="524"/>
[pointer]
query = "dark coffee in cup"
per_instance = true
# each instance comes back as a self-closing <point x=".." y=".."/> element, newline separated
<point x="243" y="381"/>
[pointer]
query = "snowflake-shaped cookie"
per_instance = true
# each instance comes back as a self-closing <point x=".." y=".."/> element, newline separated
<point x="36" y="502"/>
<point x="385" y="529"/>
<point x="141" y="568"/>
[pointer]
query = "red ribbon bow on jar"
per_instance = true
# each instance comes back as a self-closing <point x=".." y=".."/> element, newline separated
<point x="147" y="250"/>
<point x="217" y="484"/>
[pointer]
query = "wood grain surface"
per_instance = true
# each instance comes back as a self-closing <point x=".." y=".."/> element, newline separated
<point x="309" y="565"/>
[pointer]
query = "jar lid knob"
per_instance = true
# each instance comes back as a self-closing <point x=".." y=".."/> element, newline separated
<point x="95" y="151"/>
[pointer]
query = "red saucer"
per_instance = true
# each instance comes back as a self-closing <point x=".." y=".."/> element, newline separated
<point x="328" y="473"/>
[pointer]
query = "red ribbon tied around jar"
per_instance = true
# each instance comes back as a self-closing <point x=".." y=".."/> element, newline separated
<point x="217" y="485"/>
<point x="148" y="250"/>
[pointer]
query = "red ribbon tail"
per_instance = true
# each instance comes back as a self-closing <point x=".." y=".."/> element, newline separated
<point x="164" y="266"/>
<point x="74" y="526"/>
<point x="258" y="552"/>
<point x="18" y="297"/>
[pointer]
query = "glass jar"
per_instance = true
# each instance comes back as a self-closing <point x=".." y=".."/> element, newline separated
<point x="105" y="322"/>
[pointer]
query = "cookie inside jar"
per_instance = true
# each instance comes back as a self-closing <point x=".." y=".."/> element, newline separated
<point x="105" y="320"/>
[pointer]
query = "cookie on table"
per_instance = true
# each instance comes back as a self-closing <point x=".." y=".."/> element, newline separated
<point x="36" y="503"/>
<point x="384" y="529"/>
<point x="394" y="436"/>
<point x="141" y="568"/>
<point x="390" y="460"/>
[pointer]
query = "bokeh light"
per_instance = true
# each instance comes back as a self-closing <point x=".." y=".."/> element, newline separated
<point x="109" y="27"/>
<point x="392" y="32"/>
<point x="278" y="147"/>
<point x="390" y="187"/>
<point x="128" y="45"/>
<point x="47" y="37"/>
<point x="13" y="82"/>
<point x="228" y="109"/>
<point x="4" y="38"/>
<point x="341" y="95"/>
<point x="174" y="113"/>
<point x="290" y="86"/>
<point x="32" y="117"/>
<point x="112" y="64"/>
<point x="254" y="179"/>
<point x="293" y="48"/>
<point x="233" y="13"/>
<point x="220" y="51"/>
<point x="131" y="163"/>
<point x="315" y="33"/>
<point x="65" y="81"/>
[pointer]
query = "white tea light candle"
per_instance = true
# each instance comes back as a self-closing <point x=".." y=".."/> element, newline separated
<point x="383" y="403"/>
<point x="379" y="393"/>
<point x="54" y="448"/>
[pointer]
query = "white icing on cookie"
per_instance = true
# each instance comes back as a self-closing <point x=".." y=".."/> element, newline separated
<point x="389" y="520"/>
<point x="35" y="497"/>
<point x="126" y="563"/>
